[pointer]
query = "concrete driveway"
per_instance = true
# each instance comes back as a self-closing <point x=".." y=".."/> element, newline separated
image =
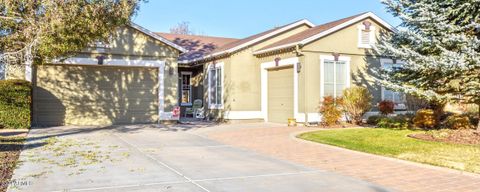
<point x="159" y="158"/>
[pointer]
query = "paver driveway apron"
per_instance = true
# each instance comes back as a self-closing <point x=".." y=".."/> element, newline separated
<point x="153" y="158"/>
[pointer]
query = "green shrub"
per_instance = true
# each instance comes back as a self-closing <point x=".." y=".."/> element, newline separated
<point x="386" y="107"/>
<point x="457" y="122"/>
<point x="15" y="99"/>
<point x="373" y="120"/>
<point x="330" y="109"/>
<point x="395" y="122"/>
<point x="425" y="118"/>
<point x="356" y="102"/>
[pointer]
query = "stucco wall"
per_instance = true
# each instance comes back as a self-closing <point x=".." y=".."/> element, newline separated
<point x="244" y="75"/>
<point x="128" y="41"/>
<point x="130" y="46"/>
<point x="344" y="42"/>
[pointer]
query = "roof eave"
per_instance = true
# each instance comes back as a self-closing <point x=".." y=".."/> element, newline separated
<point x="276" y="48"/>
<point x="273" y="33"/>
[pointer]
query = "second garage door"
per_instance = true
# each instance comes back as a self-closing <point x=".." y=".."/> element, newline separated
<point x="280" y="95"/>
<point x="94" y="95"/>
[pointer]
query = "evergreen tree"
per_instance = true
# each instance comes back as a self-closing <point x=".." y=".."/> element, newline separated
<point x="439" y="40"/>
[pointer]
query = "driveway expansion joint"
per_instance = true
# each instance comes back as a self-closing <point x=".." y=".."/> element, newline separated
<point x="162" y="163"/>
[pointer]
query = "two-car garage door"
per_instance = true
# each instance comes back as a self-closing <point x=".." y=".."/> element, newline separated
<point x="280" y="94"/>
<point x="94" y="95"/>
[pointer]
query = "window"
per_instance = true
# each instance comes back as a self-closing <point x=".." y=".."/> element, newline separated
<point x="366" y="35"/>
<point x="397" y="97"/>
<point x="215" y="86"/>
<point x="3" y="71"/>
<point x="335" y="77"/>
<point x="186" y="89"/>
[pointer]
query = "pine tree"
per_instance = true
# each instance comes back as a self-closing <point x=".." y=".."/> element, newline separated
<point x="439" y="40"/>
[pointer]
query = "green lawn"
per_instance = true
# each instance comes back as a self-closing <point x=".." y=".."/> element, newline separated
<point x="395" y="143"/>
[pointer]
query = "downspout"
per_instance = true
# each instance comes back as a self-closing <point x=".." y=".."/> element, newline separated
<point x="299" y="53"/>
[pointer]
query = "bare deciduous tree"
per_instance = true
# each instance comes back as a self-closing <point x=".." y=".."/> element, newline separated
<point x="182" y="28"/>
<point x="32" y="32"/>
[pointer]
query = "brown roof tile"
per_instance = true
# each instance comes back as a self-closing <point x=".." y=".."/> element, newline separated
<point x="197" y="45"/>
<point x="309" y="33"/>
<point x="250" y="38"/>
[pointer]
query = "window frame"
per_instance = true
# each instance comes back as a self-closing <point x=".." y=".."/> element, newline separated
<point x="182" y="74"/>
<point x="372" y="40"/>
<point x="324" y="58"/>
<point x="216" y="67"/>
<point x="395" y="94"/>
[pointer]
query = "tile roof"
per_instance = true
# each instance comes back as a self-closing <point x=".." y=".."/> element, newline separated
<point x="229" y="44"/>
<point x="308" y="33"/>
<point x="258" y="35"/>
<point x="197" y="45"/>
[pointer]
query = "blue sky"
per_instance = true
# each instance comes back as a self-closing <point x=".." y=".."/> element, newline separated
<point x="241" y="18"/>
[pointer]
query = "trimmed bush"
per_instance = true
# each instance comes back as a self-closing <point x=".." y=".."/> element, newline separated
<point x="425" y="118"/>
<point x="398" y="122"/>
<point x="393" y="122"/>
<point x="457" y="122"/>
<point x="15" y="99"/>
<point x="330" y="109"/>
<point x="356" y="102"/>
<point x="373" y="120"/>
<point x="386" y="107"/>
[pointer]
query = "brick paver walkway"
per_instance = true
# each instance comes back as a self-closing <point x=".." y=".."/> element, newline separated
<point x="395" y="174"/>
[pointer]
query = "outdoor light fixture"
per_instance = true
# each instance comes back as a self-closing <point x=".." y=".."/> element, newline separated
<point x="169" y="69"/>
<point x="336" y="56"/>
<point x="100" y="59"/>
<point x="277" y="61"/>
<point x="299" y="67"/>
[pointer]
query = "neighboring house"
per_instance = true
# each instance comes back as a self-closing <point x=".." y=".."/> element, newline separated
<point x="141" y="77"/>
<point x="285" y="72"/>
<point x="130" y="79"/>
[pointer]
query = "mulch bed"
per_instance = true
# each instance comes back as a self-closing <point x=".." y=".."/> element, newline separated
<point x="11" y="143"/>
<point x="468" y="137"/>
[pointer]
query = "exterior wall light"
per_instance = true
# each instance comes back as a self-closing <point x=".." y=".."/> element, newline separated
<point x="277" y="61"/>
<point x="299" y="67"/>
<point x="100" y="59"/>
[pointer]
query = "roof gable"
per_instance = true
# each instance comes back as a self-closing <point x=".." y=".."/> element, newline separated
<point x="320" y="31"/>
<point x="157" y="37"/>
<point x="251" y="40"/>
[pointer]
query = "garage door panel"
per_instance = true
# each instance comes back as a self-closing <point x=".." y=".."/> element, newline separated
<point x="95" y="95"/>
<point x="280" y="95"/>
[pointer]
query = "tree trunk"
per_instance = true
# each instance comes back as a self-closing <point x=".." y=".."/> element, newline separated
<point x="478" y="124"/>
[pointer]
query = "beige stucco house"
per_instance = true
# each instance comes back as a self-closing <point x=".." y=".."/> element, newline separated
<point x="143" y="77"/>
<point x="285" y="72"/>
